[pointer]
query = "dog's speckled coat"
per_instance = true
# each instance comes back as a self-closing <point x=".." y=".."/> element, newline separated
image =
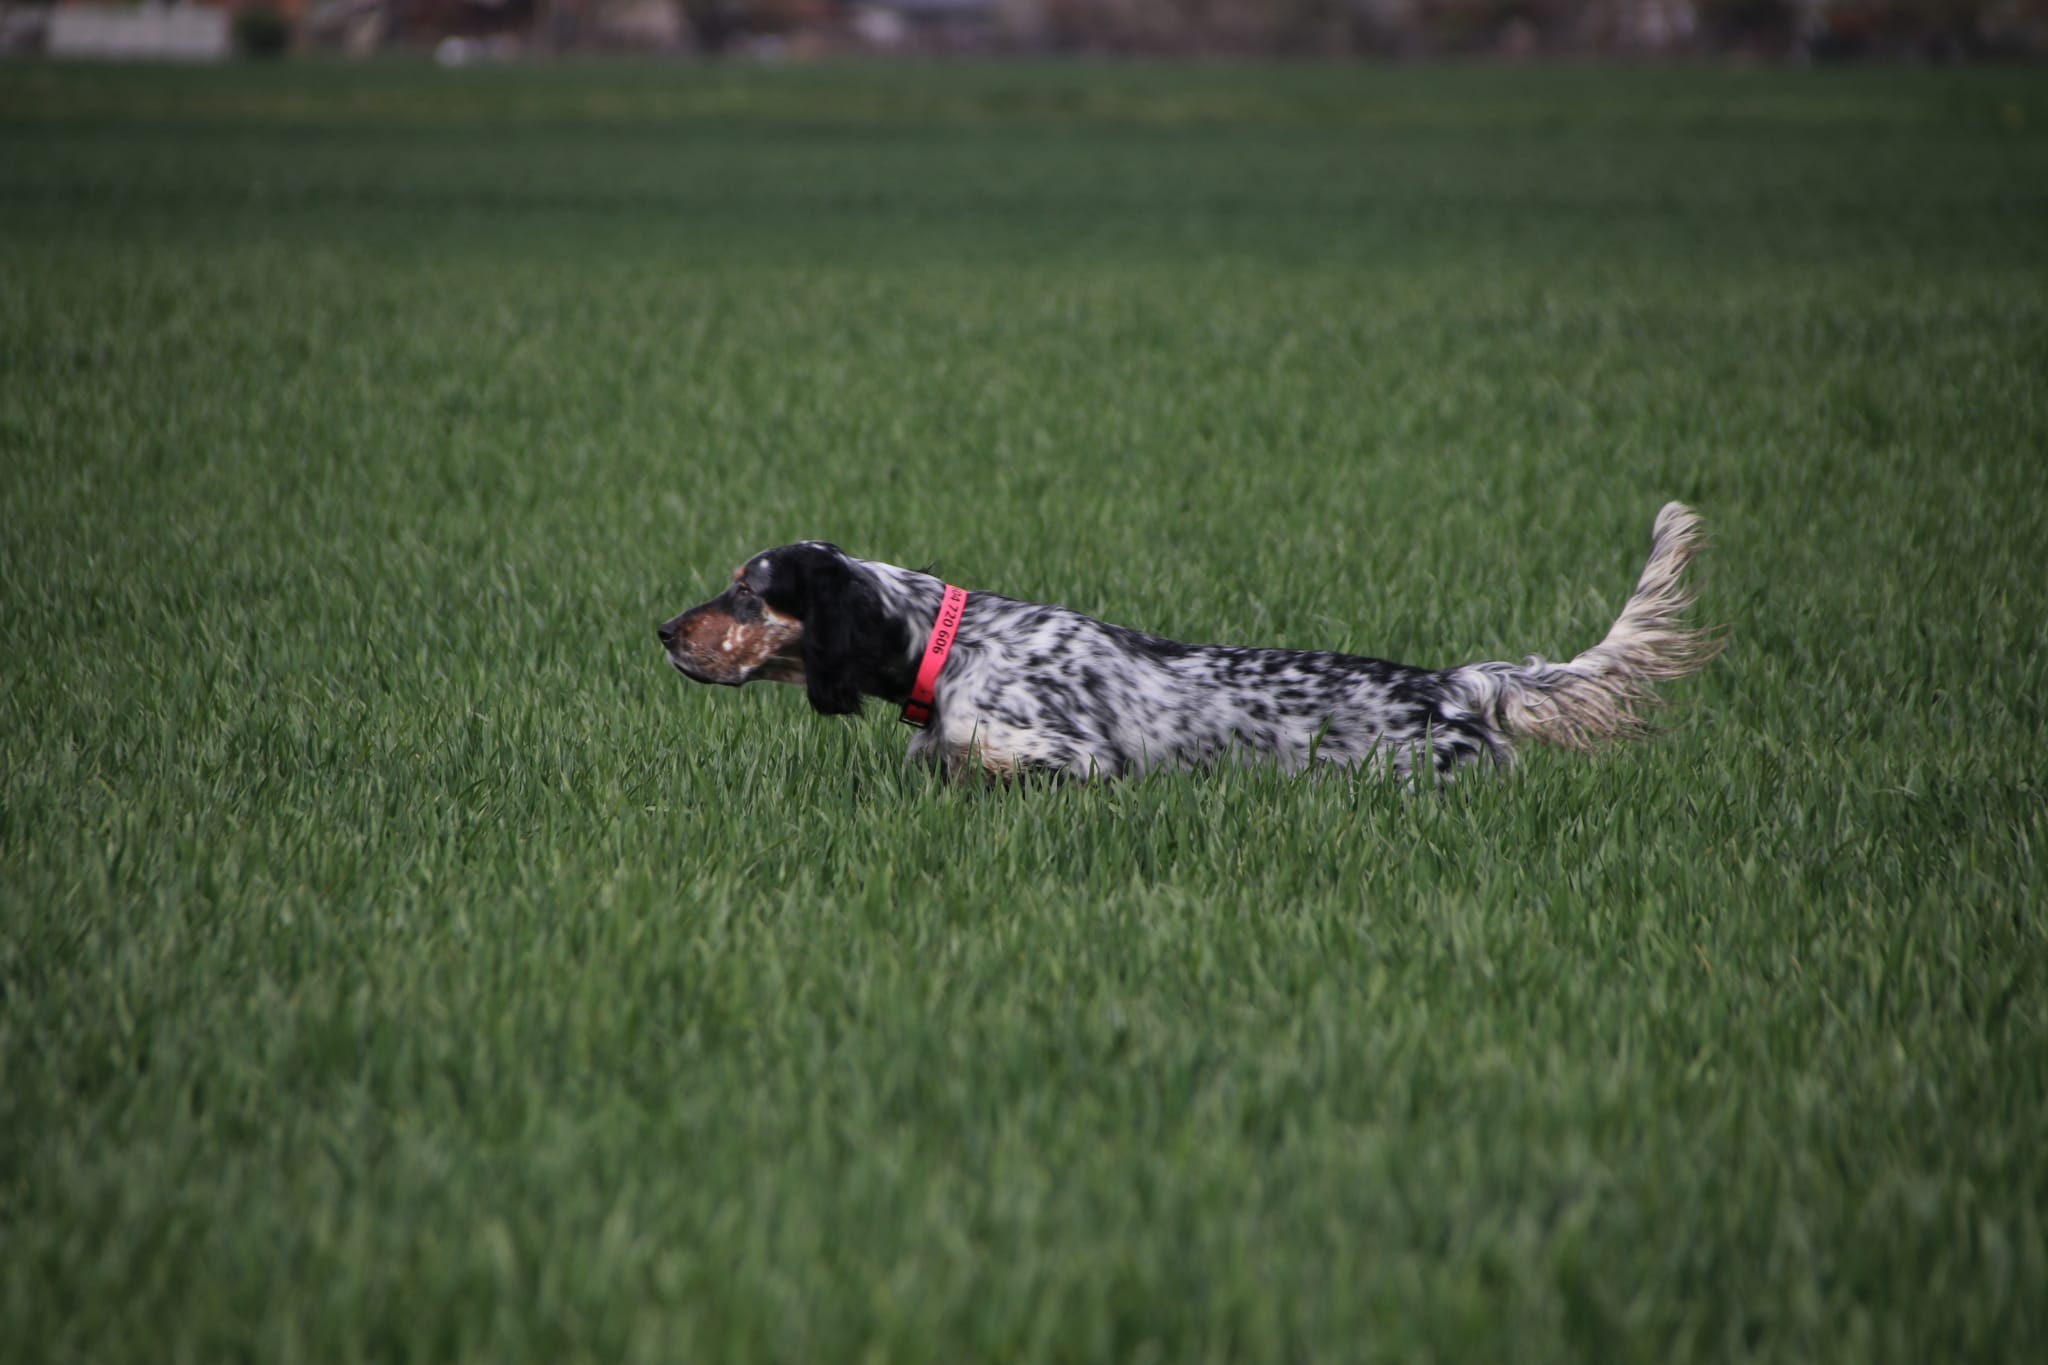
<point x="1031" y="687"/>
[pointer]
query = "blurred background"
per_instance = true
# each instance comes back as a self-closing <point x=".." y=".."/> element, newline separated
<point x="460" y="32"/>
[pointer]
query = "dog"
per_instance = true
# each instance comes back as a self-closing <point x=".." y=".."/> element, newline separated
<point x="1008" y="688"/>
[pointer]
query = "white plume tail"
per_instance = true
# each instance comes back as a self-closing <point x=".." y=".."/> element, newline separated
<point x="1605" y="692"/>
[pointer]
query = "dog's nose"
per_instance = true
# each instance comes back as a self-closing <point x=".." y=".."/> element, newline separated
<point x="667" y="636"/>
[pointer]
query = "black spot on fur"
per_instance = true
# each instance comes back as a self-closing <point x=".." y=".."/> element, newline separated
<point x="1143" y="646"/>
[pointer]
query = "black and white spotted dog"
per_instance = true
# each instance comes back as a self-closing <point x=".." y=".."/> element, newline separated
<point x="1028" y="687"/>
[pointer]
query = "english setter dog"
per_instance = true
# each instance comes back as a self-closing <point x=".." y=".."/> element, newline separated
<point x="1009" y="687"/>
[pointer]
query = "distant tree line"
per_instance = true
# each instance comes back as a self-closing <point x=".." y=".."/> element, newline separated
<point x="1805" y="30"/>
<point x="1813" y="29"/>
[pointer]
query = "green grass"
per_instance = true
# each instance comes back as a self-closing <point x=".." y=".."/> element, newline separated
<point x="398" y="961"/>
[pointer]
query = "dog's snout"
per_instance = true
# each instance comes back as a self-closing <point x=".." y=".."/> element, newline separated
<point x="666" y="633"/>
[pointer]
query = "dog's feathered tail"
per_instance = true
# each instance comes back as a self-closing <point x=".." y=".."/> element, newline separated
<point x="1605" y="692"/>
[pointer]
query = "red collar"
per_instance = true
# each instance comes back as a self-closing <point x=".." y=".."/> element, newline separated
<point x="918" y="710"/>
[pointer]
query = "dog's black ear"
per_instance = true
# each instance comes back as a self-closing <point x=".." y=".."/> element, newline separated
<point x="835" y="612"/>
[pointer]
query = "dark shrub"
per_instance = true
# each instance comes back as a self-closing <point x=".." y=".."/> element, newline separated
<point x="261" y="31"/>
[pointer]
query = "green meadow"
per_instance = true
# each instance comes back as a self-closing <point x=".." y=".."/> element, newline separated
<point x="399" y="962"/>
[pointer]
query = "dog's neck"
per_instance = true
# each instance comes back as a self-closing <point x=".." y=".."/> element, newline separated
<point x="911" y="597"/>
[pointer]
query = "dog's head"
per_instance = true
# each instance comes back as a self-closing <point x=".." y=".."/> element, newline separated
<point x="807" y="613"/>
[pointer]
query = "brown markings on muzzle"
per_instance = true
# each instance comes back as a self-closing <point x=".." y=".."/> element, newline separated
<point x="713" y="646"/>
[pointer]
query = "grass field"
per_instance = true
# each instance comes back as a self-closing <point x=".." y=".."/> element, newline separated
<point x="399" y="962"/>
